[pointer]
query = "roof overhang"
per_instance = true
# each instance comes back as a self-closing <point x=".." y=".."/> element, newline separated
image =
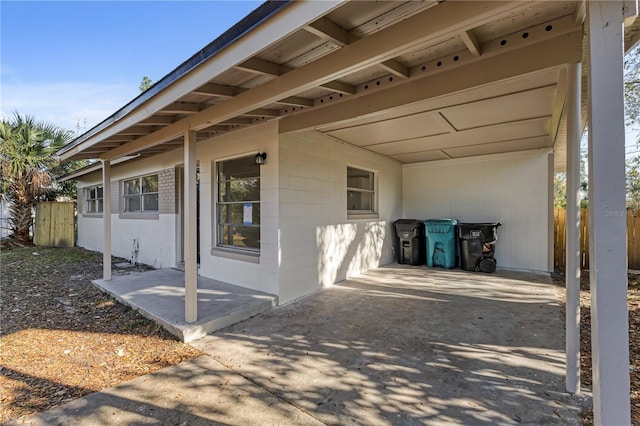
<point x="416" y="81"/>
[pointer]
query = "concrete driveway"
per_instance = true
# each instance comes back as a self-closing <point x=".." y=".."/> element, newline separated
<point x="398" y="345"/>
<point x="403" y="345"/>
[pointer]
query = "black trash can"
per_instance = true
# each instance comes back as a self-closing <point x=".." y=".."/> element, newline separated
<point x="477" y="246"/>
<point x="410" y="241"/>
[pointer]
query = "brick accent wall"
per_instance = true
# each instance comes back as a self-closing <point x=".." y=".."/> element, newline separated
<point x="167" y="191"/>
<point x="82" y="208"/>
<point x="116" y="197"/>
<point x="177" y="188"/>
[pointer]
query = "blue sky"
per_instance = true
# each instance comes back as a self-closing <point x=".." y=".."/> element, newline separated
<point x="67" y="62"/>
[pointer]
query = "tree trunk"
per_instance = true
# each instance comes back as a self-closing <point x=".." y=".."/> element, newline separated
<point x="21" y="209"/>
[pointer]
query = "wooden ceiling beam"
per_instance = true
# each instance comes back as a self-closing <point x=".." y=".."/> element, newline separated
<point x="215" y="128"/>
<point x="554" y="51"/>
<point x="339" y="87"/>
<point x="296" y="101"/>
<point x="219" y="90"/>
<point x="237" y="121"/>
<point x="137" y="130"/>
<point x="330" y="31"/>
<point x="262" y="67"/>
<point x="263" y="112"/>
<point x="470" y="40"/>
<point x="156" y="121"/>
<point x="429" y="26"/>
<point x="181" y="108"/>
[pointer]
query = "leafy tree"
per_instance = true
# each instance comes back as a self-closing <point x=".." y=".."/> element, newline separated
<point x="632" y="115"/>
<point x="632" y="87"/>
<point x="633" y="183"/>
<point x="560" y="190"/>
<point x="27" y="149"/>
<point x="145" y="84"/>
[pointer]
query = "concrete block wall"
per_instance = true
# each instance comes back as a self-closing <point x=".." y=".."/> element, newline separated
<point x="258" y="272"/>
<point x="156" y="233"/>
<point x="508" y="188"/>
<point x="319" y="244"/>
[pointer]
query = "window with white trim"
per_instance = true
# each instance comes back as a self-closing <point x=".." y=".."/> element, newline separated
<point x="361" y="196"/>
<point x="238" y="204"/>
<point x="93" y="199"/>
<point x="141" y="194"/>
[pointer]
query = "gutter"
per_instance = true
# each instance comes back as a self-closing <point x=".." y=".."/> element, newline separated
<point x="248" y="23"/>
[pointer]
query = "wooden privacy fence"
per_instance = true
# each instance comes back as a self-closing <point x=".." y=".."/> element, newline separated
<point x="559" y="235"/>
<point x="54" y="224"/>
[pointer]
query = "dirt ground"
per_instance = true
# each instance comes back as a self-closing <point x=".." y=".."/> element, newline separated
<point x="62" y="338"/>
<point x="585" y="338"/>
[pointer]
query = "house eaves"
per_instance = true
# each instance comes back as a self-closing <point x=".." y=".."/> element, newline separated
<point x="255" y="18"/>
<point x="350" y="68"/>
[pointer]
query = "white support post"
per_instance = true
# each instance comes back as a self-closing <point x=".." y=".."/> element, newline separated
<point x="106" y="220"/>
<point x="607" y="215"/>
<point x="572" y="264"/>
<point x="190" y="229"/>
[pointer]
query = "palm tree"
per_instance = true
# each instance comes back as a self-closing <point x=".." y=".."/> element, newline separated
<point x="27" y="149"/>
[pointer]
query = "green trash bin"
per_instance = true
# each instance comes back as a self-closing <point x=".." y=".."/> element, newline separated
<point x="441" y="242"/>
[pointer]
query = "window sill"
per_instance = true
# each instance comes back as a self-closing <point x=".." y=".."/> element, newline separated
<point x="148" y="216"/>
<point x="96" y="215"/>
<point x="358" y="216"/>
<point x="240" y="255"/>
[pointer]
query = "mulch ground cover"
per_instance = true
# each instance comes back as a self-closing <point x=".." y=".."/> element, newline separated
<point x="585" y="339"/>
<point x="61" y="338"/>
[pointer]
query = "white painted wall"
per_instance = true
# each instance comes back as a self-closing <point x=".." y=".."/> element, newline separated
<point x="507" y="188"/>
<point x="319" y="244"/>
<point x="258" y="274"/>
<point x="156" y="236"/>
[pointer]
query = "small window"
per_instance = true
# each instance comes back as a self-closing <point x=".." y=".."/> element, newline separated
<point x="238" y="204"/>
<point x="93" y="199"/>
<point x="141" y="195"/>
<point x="360" y="191"/>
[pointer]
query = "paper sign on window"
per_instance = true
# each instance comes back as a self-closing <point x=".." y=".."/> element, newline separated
<point x="248" y="214"/>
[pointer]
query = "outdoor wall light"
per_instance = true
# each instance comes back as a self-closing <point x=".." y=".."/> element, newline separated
<point x="260" y="158"/>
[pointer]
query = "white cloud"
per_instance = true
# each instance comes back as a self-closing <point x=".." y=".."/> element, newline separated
<point x="66" y="104"/>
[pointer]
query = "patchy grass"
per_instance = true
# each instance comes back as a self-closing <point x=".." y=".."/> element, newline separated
<point x="62" y="338"/>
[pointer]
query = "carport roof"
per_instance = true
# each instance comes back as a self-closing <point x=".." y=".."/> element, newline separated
<point x="415" y="81"/>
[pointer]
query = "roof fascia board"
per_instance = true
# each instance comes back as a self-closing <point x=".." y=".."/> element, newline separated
<point x="433" y="24"/>
<point x="552" y="52"/>
<point x="91" y="168"/>
<point x="197" y="71"/>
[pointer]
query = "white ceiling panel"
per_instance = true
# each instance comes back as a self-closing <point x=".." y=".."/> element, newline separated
<point x="507" y="87"/>
<point x="409" y="127"/>
<point x="503" y="132"/>
<point x="499" y="147"/>
<point x="502" y="109"/>
<point x="417" y="157"/>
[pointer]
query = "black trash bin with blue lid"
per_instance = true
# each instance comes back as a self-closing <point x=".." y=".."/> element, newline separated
<point x="441" y="242"/>
<point x="409" y="241"/>
<point x="477" y="246"/>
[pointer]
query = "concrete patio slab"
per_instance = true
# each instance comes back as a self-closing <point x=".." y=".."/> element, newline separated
<point x="196" y="393"/>
<point x="159" y="295"/>
<point x="399" y="345"/>
<point x="410" y="345"/>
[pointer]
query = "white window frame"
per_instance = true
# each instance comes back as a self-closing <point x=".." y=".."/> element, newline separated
<point x="140" y="195"/>
<point x="94" y="201"/>
<point x="218" y="225"/>
<point x="374" y="194"/>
